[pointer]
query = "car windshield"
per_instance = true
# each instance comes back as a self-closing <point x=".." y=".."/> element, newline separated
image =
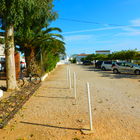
<point x="99" y="62"/>
<point x="120" y="63"/>
<point x="107" y="62"/>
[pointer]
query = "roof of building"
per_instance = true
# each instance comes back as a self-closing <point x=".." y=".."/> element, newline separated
<point x="83" y="54"/>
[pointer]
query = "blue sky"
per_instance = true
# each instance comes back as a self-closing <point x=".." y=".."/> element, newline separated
<point x="97" y="23"/>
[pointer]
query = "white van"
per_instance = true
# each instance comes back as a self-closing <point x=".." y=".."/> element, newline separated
<point x="106" y="65"/>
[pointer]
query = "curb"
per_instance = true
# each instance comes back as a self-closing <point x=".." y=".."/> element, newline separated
<point x="44" y="77"/>
<point x="47" y="74"/>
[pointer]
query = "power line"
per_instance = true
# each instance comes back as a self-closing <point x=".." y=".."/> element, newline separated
<point x="97" y="23"/>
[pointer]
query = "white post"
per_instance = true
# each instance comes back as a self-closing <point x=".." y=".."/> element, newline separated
<point x="69" y="79"/>
<point x="89" y="106"/>
<point x="67" y="76"/>
<point x="74" y="83"/>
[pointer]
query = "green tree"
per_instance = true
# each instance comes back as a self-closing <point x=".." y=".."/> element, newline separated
<point x="137" y="56"/>
<point x="126" y="55"/>
<point x="24" y="14"/>
<point x="32" y="33"/>
<point x="90" y="57"/>
<point x="11" y="14"/>
<point x="51" y="52"/>
<point x="32" y="44"/>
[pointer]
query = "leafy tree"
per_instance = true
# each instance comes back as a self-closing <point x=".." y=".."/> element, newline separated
<point x="31" y="34"/>
<point x="32" y="45"/>
<point x="2" y="40"/>
<point x="29" y="15"/>
<point x="11" y="15"/>
<point x="90" y="57"/>
<point x="50" y="53"/>
<point x="137" y="56"/>
<point x="127" y="55"/>
<point x="82" y="59"/>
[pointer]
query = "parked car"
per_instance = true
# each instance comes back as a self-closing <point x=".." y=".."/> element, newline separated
<point x="98" y="64"/>
<point x="126" y="67"/>
<point x="107" y="65"/>
<point x="87" y="62"/>
<point x="22" y="65"/>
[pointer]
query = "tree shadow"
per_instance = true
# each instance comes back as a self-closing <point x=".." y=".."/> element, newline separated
<point x="91" y="68"/>
<point x="55" y="97"/>
<point x="56" y="88"/>
<point x="109" y="73"/>
<point x="120" y="75"/>
<point x="87" y="66"/>
<point x="52" y="126"/>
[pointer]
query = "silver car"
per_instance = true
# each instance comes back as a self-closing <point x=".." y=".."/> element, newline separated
<point x="126" y="67"/>
<point x="107" y="65"/>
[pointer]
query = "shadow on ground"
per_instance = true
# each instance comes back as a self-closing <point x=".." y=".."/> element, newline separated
<point x="110" y="73"/>
<point x="56" y="97"/>
<point x="46" y="125"/>
<point x="56" y="88"/>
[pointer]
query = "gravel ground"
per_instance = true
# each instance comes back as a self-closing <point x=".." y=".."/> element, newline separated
<point x="53" y="114"/>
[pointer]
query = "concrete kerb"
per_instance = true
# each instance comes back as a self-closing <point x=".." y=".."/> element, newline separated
<point x="44" y="77"/>
<point x="47" y="74"/>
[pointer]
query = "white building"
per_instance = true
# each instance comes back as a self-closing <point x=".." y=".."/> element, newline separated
<point x="79" y="57"/>
<point x="63" y="60"/>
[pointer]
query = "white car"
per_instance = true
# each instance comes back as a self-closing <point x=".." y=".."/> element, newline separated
<point x="107" y="65"/>
<point x="126" y="67"/>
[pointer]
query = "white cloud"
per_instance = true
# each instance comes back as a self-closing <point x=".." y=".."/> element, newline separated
<point x="78" y="37"/>
<point x="129" y="31"/>
<point x="135" y="22"/>
<point x="132" y="29"/>
<point x="91" y="30"/>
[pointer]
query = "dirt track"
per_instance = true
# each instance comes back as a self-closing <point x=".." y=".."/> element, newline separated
<point x="51" y="114"/>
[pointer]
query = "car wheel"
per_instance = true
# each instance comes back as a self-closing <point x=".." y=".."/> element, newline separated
<point x="103" y="68"/>
<point x="115" y="71"/>
<point x="137" y="72"/>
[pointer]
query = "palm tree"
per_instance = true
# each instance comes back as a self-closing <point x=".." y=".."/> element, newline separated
<point x="50" y="52"/>
<point x="32" y="40"/>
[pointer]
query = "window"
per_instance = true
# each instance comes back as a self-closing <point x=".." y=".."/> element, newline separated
<point x="107" y="62"/>
<point x="120" y="64"/>
<point x="128" y="65"/>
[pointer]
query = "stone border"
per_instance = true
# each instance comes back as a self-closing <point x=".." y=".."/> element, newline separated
<point x="47" y="74"/>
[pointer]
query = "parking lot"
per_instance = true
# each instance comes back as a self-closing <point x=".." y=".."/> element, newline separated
<point x="115" y="100"/>
<point x="53" y="114"/>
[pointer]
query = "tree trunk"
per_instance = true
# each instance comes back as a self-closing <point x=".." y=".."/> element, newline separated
<point x="31" y="60"/>
<point x="27" y="52"/>
<point x="10" y="60"/>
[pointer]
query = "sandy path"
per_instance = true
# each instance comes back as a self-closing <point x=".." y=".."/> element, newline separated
<point x="51" y="114"/>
